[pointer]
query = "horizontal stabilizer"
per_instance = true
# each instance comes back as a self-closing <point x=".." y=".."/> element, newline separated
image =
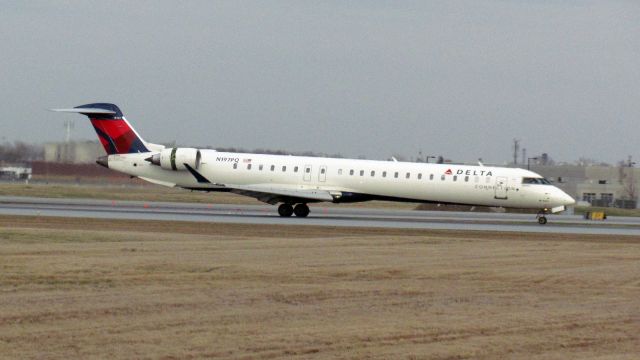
<point x="86" y="111"/>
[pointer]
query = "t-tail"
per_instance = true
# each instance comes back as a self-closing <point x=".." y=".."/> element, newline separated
<point x="114" y="131"/>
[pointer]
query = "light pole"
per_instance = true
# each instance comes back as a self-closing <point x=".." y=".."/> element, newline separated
<point x="529" y="162"/>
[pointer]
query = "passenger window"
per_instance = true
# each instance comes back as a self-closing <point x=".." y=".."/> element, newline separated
<point x="284" y="168"/>
<point x="351" y="172"/>
<point x="273" y="167"/>
<point x="260" y="167"/>
<point x="361" y="172"/>
<point x="442" y="178"/>
<point x="466" y="179"/>
<point x="235" y="165"/>
<point x="248" y="166"/>
<point x="384" y="174"/>
<point x="395" y="175"/>
<point x="295" y="169"/>
<point x="419" y="176"/>
<point x="408" y="175"/>
<point x="431" y="177"/>
<point x="455" y="177"/>
<point x="373" y="173"/>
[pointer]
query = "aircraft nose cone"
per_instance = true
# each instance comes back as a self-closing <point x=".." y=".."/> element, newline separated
<point x="566" y="199"/>
<point x="570" y="200"/>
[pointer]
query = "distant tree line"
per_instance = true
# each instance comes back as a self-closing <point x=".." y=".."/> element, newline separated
<point x="19" y="151"/>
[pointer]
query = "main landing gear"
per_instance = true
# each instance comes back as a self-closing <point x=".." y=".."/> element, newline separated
<point x="300" y="210"/>
<point x="542" y="219"/>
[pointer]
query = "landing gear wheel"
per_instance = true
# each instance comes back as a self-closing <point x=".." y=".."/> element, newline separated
<point x="301" y="210"/>
<point x="285" y="210"/>
<point x="542" y="219"/>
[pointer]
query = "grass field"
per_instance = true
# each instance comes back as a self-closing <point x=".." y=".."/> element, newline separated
<point x="129" y="289"/>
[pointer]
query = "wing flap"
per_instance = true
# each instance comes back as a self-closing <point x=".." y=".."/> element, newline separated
<point x="270" y="193"/>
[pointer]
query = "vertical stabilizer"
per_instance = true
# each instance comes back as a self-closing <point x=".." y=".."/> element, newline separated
<point x="114" y="131"/>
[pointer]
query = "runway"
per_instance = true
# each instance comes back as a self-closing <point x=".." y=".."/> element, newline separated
<point x="320" y="216"/>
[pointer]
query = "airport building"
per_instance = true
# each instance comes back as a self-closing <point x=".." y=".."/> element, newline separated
<point x="597" y="185"/>
<point x="74" y="152"/>
<point x="13" y="172"/>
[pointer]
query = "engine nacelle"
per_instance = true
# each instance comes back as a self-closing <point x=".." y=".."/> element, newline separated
<point x="176" y="158"/>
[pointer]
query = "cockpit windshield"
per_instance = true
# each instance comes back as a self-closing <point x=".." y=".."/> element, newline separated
<point x="540" y="181"/>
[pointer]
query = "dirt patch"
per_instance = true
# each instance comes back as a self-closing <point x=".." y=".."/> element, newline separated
<point x="80" y="288"/>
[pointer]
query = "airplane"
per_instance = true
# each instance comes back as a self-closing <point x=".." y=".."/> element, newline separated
<point x="296" y="181"/>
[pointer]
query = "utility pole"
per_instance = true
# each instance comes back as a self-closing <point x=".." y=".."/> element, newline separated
<point x="630" y="186"/>
<point x="66" y="155"/>
<point x="68" y="126"/>
<point x="516" y="150"/>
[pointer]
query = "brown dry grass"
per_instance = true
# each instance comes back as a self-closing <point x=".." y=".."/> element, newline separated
<point x="83" y="288"/>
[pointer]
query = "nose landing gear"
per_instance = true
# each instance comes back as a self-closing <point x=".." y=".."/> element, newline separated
<point x="542" y="219"/>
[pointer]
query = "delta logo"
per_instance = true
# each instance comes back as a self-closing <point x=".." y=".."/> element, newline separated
<point x="469" y="172"/>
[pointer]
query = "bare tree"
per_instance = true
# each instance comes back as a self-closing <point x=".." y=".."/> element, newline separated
<point x="20" y="152"/>
<point x="627" y="179"/>
<point x="630" y="186"/>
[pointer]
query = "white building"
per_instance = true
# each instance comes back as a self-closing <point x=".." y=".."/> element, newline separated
<point x="77" y="152"/>
<point x="15" y="173"/>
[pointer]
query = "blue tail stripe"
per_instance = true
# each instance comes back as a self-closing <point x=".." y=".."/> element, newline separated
<point x="104" y="106"/>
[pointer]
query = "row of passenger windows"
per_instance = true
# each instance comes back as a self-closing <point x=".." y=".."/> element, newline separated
<point x="362" y="172"/>
<point x="273" y="168"/>
<point x="407" y="175"/>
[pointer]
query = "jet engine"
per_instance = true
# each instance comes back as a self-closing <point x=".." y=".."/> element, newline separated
<point x="176" y="158"/>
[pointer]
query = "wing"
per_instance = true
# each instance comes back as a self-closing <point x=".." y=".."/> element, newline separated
<point x="273" y="194"/>
<point x="268" y="193"/>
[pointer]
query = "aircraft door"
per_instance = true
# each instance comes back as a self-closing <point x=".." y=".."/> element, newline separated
<point x="322" y="175"/>
<point x="501" y="187"/>
<point x="307" y="173"/>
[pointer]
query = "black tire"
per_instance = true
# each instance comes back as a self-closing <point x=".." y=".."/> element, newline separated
<point x="285" y="210"/>
<point x="542" y="220"/>
<point x="301" y="210"/>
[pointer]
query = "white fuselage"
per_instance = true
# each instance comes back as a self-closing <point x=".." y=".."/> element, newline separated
<point x="350" y="180"/>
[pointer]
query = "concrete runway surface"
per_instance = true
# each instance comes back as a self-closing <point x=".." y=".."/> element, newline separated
<point x="320" y="216"/>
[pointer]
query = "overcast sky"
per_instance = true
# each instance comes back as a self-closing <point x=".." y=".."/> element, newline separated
<point x="373" y="78"/>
